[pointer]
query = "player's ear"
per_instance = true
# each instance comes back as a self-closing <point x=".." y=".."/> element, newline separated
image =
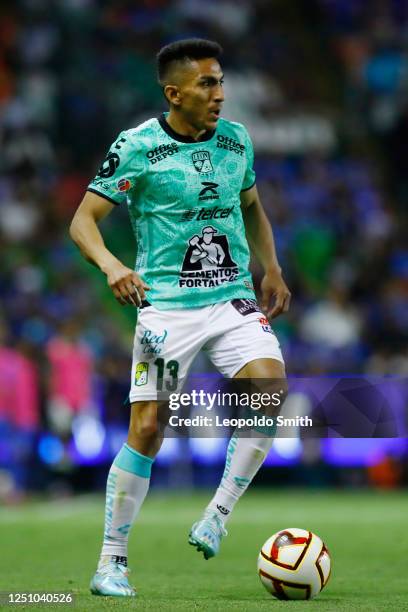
<point x="172" y="94"/>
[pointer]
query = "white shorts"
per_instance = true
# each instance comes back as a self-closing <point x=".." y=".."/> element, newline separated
<point x="167" y="341"/>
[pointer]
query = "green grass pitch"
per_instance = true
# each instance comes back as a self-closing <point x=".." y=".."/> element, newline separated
<point x="54" y="547"/>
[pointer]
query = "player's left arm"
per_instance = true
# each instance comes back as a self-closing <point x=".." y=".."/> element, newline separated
<point x="261" y="242"/>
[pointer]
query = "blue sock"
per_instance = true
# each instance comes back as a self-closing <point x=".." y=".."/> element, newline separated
<point x="132" y="461"/>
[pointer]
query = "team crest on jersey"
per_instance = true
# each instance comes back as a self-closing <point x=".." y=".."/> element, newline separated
<point x="202" y="162"/>
<point x="207" y="261"/>
<point x="141" y="373"/>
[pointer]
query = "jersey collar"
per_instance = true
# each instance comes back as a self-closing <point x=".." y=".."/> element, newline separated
<point x="180" y="137"/>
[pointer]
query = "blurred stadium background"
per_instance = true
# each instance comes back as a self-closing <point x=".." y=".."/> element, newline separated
<point x="322" y="86"/>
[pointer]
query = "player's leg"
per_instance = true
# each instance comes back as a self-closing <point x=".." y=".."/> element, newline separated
<point x="246" y="349"/>
<point x="165" y="344"/>
<point x="247" y="449"/>
<point x="127" y="486"/>
<point x="129" y="476"/>
<point x="246" y="453"/>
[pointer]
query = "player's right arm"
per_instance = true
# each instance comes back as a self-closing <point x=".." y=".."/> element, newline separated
<point x="126" y="284"/>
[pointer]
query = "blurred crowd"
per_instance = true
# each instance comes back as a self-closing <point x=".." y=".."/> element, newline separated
<point x="73" y="73"/>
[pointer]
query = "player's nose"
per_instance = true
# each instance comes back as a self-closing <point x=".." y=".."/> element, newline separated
<point x="219" y="94"/>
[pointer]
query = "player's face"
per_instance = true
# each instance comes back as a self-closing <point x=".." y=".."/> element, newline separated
<point x="201" y="93"/>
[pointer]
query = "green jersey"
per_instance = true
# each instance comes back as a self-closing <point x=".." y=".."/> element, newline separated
<point x="183" y="198"/>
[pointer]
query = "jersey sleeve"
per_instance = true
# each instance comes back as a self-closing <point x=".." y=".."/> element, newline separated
<point x="250" y="176"/>
<point x="119" y="170"/>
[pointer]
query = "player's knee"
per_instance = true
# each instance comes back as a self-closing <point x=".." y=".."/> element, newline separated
<point x="144" y="422"/>
<point x="146" y="428"/>
<point x="277" y="390"/>
<point x="274" y="385"/>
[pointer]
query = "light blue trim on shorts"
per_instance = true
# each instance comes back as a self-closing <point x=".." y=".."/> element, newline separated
<point x="129" y="460"/>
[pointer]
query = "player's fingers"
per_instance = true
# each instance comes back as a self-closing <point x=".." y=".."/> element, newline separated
<point x="286" y="302"/>
<point x="282" y="303"/>
<point x="274" y="312"/>
<point x="120" y="286"/>
<point x="128" y="293"/>
<point x="118" y="296"/>
<point x="138" y="291"/>
<point x="133" y="293"/>
<point x="265" y="299"/>
<point x="140" y="285"/>
<point x="278" y="307"/>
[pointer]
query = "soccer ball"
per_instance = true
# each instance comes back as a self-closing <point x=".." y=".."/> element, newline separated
<point x="294" y="564"/>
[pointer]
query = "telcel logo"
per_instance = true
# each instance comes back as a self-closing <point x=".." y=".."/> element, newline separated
<point x="213" y="213"/>
<point x="205" y="214"/>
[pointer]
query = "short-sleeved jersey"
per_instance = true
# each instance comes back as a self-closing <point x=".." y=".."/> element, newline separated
<point x="183" y="198"/>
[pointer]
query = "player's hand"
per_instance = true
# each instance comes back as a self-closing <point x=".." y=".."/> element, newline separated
<point x="126" y="284"/>
<point x="273" y="286"/>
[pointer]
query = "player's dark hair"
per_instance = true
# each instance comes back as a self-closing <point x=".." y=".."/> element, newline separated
<point x="187" y="49"/>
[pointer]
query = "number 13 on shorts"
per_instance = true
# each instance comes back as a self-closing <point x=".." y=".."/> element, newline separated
<point x="165" y="373"/>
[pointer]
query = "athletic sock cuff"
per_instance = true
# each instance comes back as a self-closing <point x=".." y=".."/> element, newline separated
<point x="129" y="460"/>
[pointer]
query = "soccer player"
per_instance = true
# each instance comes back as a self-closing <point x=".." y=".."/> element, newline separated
<point x="188" y="180"/>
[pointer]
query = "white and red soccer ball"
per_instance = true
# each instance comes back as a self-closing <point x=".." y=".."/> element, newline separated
<point x="294" y="564"/>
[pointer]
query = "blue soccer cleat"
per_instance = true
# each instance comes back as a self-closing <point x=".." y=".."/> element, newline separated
<point x="111" y="579"/>
<point x="206" y="535"/>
